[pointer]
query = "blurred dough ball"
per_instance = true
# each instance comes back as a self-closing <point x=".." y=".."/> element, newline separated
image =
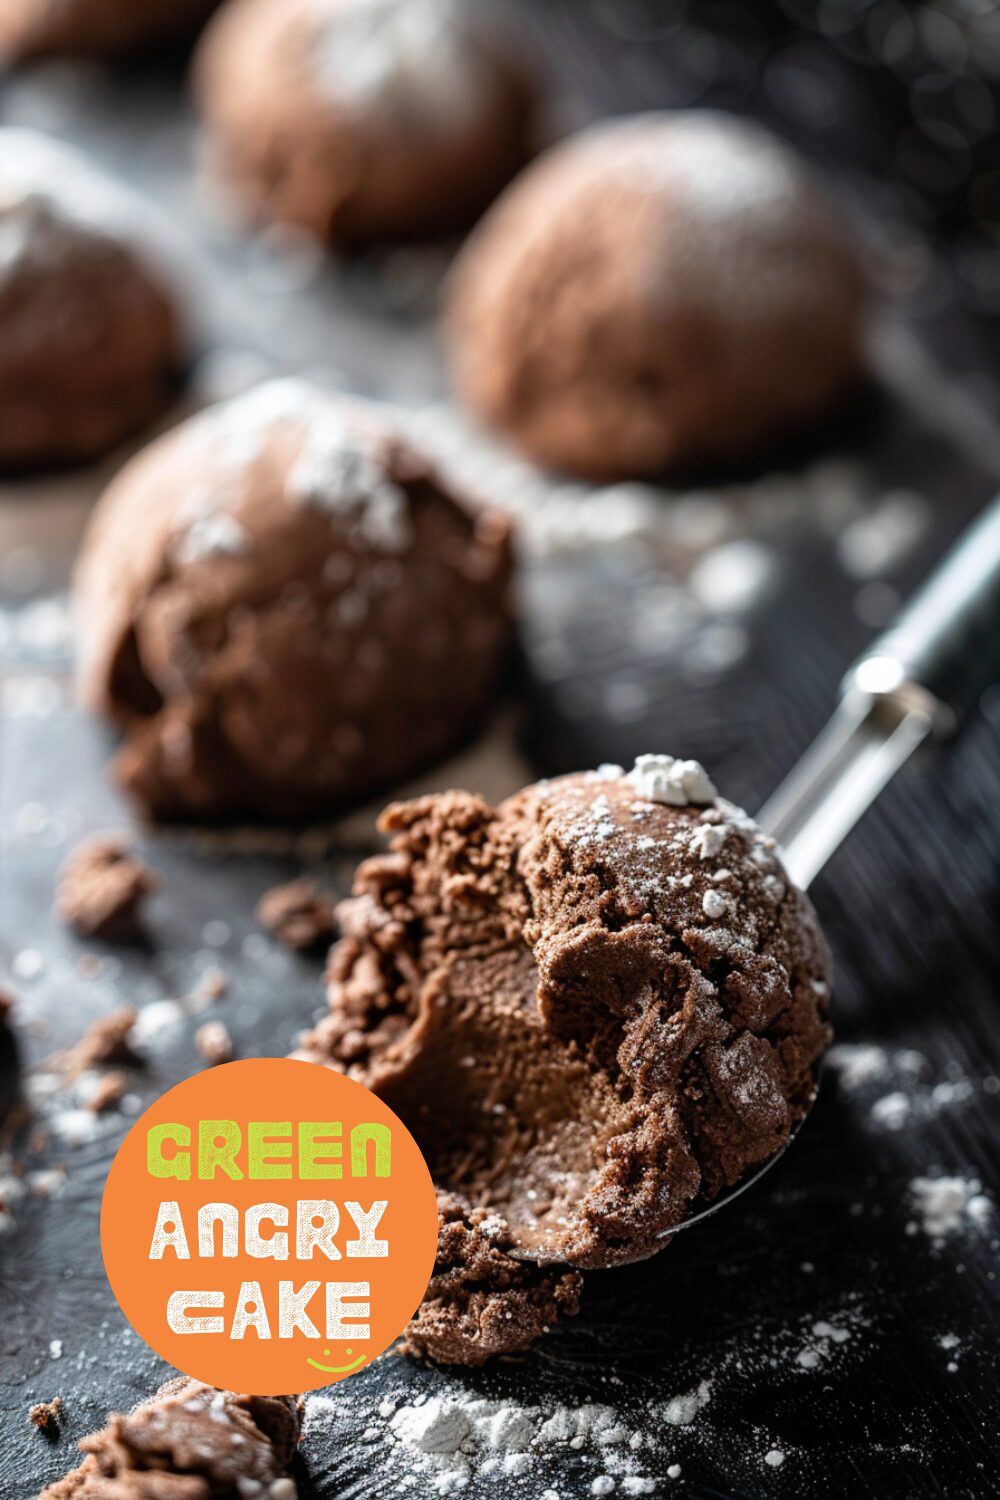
<point x="51" y="28"/>
<point x="657" y="292"/>
<point x="360" y="120"/>
<point x="286" y="609"/>
<point x="90" y="338"/>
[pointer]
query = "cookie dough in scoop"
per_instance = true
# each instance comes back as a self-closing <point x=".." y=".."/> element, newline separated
<point x="594" y="1005"/>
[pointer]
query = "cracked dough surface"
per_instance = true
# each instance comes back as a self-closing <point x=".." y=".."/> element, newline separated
<point x="621" y="1001"/>
<point x="253" y="597"/>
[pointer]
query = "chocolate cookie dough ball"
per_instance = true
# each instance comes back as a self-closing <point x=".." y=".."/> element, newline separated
<point x="189" y="1442"/>
<point x="49" y="28"/>
<point x="596" y="1005"/>
<point x="90" y="340"/>
<point x="661" y="291"/>
<point x="286" y="609"/>
<point x="360" y="120"/>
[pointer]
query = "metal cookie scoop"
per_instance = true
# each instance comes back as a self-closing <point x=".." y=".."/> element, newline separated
<point x="919" y="680"/>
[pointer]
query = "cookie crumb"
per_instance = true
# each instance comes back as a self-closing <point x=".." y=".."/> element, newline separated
<point x="106" y="1040"/>
<point x="47" y="1416"/>
<point x="108" y="1091"/>
<point x="102" y="889"/>
<point x="214" y="1042"/>
<point x="298" y="914"/>
<point x="213" y="984"/>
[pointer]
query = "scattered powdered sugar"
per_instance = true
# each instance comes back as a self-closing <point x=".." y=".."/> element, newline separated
<point x="749" y="214"/>
<point x="949" y="1205"/>
<point x="153" y="1019"/>
<point x="681" y="527"/>
<point x="822" y="1339"/>
<point x="339" y="467"/>
<point x="339" y="471"/>
<point x="652" y="539"/>
<point x="714" y="904"/>
<point x="857" y="1064"/>
<point x="212" y="534"/>
<point x="878" y="541"/>
<point x="907" y="1096"/>
<point x="734" y="576"/>
<point x="678" y="783"/>
<point x="446" y="1442"/>
<point x="39" y="630"/>
<point x="417" y="56"/>
<point x="730" y="171"/>
<point x="707" y="840"/>
<point x="47" y="186"/>
<point x="680" y="1411"/>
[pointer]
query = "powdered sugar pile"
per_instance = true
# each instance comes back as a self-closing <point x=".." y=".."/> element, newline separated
<point x="679" y="783"/>
<point x="456" y="1437"/>
<point x="949" y="1205"/>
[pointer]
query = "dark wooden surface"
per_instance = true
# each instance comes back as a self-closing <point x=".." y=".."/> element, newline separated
<point x="910" y="906"/>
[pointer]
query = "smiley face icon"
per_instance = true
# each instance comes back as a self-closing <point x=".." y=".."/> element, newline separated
<point x="337" y="1369"/>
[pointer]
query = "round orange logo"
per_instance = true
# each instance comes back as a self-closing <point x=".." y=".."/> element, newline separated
<point x="269" y="1226"/>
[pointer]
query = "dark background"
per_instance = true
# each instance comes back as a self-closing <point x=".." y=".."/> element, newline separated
<point x="898" y="103"/>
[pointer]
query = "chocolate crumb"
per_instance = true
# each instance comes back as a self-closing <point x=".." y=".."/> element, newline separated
<point x="47" y="1416"/>
<point x="106" y="1040"/>
<point x="214" y="1042"/>
<point x="298" y="914"/>
<point x="107" y="1093"/>
<point x="480" y="1301"/>
<point x="102" y="889"/>
<point x="213" y="984"/>
<point x="189" y="1442"/>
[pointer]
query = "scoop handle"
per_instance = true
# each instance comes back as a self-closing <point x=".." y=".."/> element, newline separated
<point x="946" y="640"/>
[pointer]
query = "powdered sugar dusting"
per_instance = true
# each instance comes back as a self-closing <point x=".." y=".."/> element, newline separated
<point x="454" y="1438"/>
<point x="339" y="468"/>
<point x="749" y="215"/>
<point x="339" y="471"/>
<point x="414" y="56"/>
<point x="212" y="534"/>
<point x="729" y="170"/>
<point x="947" y="1205"/>
<point x="678" y="783"/>
<point x="47" y="188"/>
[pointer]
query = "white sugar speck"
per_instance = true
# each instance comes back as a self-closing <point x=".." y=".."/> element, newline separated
<point x="678" y="783"/>
<point x="714" y="904"/>
<point x="681" y="1411"/>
